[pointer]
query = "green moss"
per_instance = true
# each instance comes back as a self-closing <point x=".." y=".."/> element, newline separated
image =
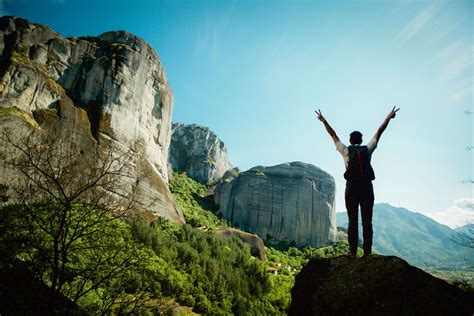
<point x="48" y="116"/>
<point x="19" y="58"/>
<point x="14" y="111"/>
<point x="209" y="161"/>
<point x="120" y="46"/>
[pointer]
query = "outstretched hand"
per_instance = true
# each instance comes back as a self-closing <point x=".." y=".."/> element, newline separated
<point x="320" y="116"/>
<point x="392" y="113"/>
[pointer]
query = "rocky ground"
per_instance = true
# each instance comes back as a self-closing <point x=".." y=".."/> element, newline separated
<point x="376" y="285"/>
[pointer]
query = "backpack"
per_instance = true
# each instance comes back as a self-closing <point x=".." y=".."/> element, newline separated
<point x="359" y="167"/>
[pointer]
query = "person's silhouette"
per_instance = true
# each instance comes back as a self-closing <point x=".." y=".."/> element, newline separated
<point x="359" y="175"/>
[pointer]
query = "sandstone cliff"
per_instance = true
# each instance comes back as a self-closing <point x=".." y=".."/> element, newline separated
<point x="107" y="89"/>
<point x="197" y="151"/>
<point x="374" y="286"/>
<point x="293" y="202"/>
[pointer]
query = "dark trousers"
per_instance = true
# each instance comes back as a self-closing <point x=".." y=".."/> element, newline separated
<point x="359" y="192"/>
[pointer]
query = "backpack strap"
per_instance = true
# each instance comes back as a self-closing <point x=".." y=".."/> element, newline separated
<point x="360" y="162"/>
<point x="359" y="166"/>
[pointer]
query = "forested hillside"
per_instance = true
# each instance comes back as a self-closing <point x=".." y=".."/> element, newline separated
<point x="135" y="266"/>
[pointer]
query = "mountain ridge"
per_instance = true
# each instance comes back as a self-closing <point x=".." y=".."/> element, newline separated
<point x="415" y="237"/>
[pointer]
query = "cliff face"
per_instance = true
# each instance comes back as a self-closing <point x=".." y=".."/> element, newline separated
<point x="293" y="202"/>
<point x="116" y="80"/>
<point x="375" y="285"/>
<point x="197" y="151"/>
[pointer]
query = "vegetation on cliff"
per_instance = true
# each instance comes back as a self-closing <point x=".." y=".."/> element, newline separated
<point x="153" y="264"/>
<point x="197" y="210"/>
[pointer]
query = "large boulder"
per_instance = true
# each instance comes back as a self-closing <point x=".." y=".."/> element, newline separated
<point x="375" y="285"/>
<point x="292" y="202"/>
<point x="197" y="151"/>
<point x="257" y="247"/>
<point x="109" y="89"/>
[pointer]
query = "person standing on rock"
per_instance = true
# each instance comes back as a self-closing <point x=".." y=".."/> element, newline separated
<point x="359" y="175"/>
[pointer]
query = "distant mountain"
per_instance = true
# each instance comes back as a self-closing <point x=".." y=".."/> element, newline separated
<point x="465" y="235"/>
<point x="467" y="229"/>
<point x="415" y="237"/>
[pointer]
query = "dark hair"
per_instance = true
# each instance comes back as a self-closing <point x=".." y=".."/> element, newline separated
<point x="355" y="138"/>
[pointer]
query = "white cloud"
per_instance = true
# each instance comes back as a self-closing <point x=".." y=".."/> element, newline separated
<point x="455" y="58"/>
<point x="461" y="93"/>
<point x="457" y="215"/>
<point x="419" y="21"/>
<point x="208" y="34"/>
<point x="454" y="65"/>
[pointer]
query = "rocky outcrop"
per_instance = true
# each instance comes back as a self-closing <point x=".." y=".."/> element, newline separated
<point x="374" y="286"/>
<point x="197" y="151"/>
<point x="292" y="202"/>
<point x="257" y="248"/>
<point x="109" y="89"/>
<point x="342" y="234"/>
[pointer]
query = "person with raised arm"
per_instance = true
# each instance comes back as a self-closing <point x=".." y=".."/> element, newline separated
<point x="359" y="176"/>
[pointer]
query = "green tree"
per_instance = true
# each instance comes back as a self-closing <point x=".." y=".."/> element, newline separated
<point x="67" y="201"/>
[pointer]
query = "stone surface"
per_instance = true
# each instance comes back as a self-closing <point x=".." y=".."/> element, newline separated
<point x="116" y="83"/>
<point x="197" y="151"/>
<point x="342" y="234"/>
<point x="374" y="286"/>
<point x="257" y="247"/>
<point x="292" y="202"/>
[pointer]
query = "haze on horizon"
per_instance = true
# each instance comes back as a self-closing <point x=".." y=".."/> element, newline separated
<point x="255" y="71"/>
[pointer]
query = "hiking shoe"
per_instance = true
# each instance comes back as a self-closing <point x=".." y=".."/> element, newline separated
<point x="350" y="255"/>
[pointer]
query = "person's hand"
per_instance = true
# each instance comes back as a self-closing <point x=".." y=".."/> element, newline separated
<point x="320" y="116"/>
<point x="392" y="113"/>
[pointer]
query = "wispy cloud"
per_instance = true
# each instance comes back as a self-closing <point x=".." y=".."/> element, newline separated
<point x="419" y="21"/>
<point x="461" y="93"/>
<point x="454" y="64"/>
<point x="207" y="36"/>
<point x="458" y="214"/>
<point x="457" y="57"/>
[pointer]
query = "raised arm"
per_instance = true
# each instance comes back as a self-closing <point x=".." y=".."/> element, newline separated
<point x="331" y="132"/>
<point x="384" y="124"/>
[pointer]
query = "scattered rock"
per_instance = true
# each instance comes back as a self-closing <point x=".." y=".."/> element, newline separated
<point x="341" y="234"/>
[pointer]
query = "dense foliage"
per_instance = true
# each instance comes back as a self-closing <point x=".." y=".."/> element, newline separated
<point x="134" y="266"/>
<point x="189" y="195"/>
<point x="94" y="271"/>
<point x="286" y="260"/>
<point x="212" y="275"/>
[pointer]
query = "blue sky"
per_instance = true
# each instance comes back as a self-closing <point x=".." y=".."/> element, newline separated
<point x="255" y="71"/>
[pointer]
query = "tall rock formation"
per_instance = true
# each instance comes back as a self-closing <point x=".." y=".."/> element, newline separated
<point x="115" y="79"/>
<point x="293" y="202"/>
<point x="197" y="151"/>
